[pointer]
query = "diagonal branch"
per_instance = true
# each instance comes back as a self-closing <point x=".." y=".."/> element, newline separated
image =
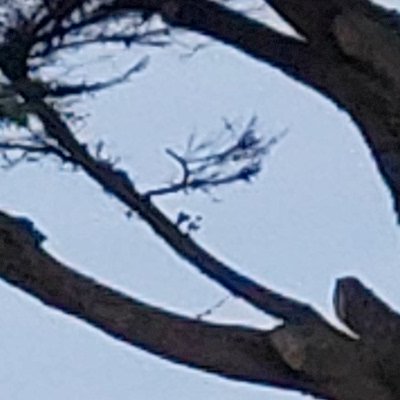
<point x="292" y="55"/>
<point x="320" y="63"/>
<point x="228" y="26"/>
<point x="118" y="183"/>
<point x="84" y="88"/>
<point x="234" y="352"/>
<point x="291" y="355"/>
<point x="312" y="19"/>
<point x="313" y="358"/>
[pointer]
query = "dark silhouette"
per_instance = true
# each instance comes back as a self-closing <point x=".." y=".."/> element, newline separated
<point x="347" y="50"/>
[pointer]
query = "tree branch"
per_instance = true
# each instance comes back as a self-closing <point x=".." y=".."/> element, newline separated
<point x="116" y="182"/>
<point x="310" y="357"/>
<point x="322" y="62"/>
<point x="319" y="63"/>
<point x="84" y="88"/>
<point x="235" y="352"/>
<point x="305" y="353"/>
<point x="291" y="55"/>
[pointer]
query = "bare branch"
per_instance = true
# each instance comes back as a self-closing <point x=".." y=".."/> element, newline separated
<point x="29" y="152"/>
<point x="304" y="353"/>
<point x="68" y="90"/>
<point x="117" y="182"/>
<point x="310" y="357"/>
<point x="235" y="352"/>
<point x="211" y="309"/>
<point x="291" y="55"/>
<point x="220" y="160"/>
<point x="318" y="62"/>
<point x="150" y="38"/>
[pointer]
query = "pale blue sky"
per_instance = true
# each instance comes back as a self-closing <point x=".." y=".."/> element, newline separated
<point x="318" y="211"/>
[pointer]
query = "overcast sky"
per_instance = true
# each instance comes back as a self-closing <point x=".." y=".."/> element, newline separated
<point x="318" y="211"/>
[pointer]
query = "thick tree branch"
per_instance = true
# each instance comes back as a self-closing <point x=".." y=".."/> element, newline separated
<point x="310" y="357"/>
<point x="228" y="26"/>
<point x="305" y="353"/>
<point x="376" y="324"/>
<point x="313" y="18"/>
<point x="325" y="61"/>
<point x="118" y="183"/>
<point x="235" y="352"/>
<point x="238" y="30"/>
<point x="320" y="63"/>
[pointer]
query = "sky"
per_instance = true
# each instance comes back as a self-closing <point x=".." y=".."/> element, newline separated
<point x="318" y="211"/>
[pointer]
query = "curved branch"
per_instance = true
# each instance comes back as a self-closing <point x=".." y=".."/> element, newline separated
<point x="234" y="352"/>
<point x="369" y="96"/>
<point x="117" y="183"/>
<point x="325" y="62"/>
<point x="339" y="77"/>
<point x="230" y="27"/>
<point x="310" y="357"/>
<point x="84" y="88"/>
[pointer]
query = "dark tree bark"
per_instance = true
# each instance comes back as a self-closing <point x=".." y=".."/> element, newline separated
<point x="348" y="51"/>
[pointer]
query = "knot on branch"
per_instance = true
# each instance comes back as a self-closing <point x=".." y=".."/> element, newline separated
<point x="314" y="349"/>
<point x="369" y="362"/>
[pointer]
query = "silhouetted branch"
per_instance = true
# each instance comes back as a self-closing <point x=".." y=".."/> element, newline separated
<point x="235" y="352"/>
<point x="68" y="90"/>
<point x="146" y="38"/>
<point x="118" y="183"/>
<point x="304" y="353"/>
<point x="29" y="149"/>
<point x="210" y="163"/>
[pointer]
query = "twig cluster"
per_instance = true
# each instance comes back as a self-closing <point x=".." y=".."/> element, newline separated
<point x="227" y="158"/>
<point x="34" y="32"/>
